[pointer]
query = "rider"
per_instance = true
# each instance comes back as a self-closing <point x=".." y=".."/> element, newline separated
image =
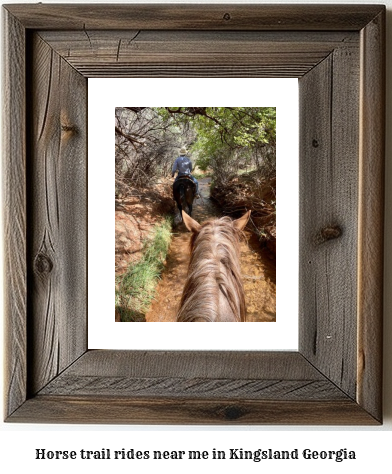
<point x="184" y="167"/>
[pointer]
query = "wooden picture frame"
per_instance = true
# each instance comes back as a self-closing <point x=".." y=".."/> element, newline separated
<point x="337" y="52"/>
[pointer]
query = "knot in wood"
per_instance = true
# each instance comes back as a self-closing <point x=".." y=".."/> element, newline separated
<point x="328" y="233"/>
<point x="233" y="412"/>
<point x="227" y="16"/>
<point x="315" y="143"/>
<point x="68" y="128"/>
<point x="43" y="264"/>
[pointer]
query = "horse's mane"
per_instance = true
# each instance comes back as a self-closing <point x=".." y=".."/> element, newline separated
<point x="214" y="290"/>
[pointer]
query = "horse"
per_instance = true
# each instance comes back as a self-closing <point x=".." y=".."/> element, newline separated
<point x="184" y="190"/>
<point x="213" y="290"/>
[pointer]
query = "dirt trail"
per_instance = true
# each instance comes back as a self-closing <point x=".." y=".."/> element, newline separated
<point x="258" y="270"/>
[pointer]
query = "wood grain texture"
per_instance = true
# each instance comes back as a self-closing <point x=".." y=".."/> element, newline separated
<point x="195" y="17"/>
<point x="194" y="53"/>
<point x="119" y="410"/>
<point x="371" y="216"/>
<point x="14" y="208"/>
<point x="57" y="197"/>
<point x="204" y="374"/>
<point x="207" y="364"/>
<point x="189" y="387"/>
<point x="194" y="388"/>
<point x="329" y="137"/>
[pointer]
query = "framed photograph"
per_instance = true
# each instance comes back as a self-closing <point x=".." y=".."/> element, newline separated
<point x="216" y="165"/>
<point x="337" y="53"/>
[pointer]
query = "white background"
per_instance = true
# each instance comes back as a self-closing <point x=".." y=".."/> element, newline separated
<point x="372" y="444"/>
<point x="104" y="332"/>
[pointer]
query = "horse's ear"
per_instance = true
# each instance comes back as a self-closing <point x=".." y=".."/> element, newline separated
<point x="242" y="221"/>
<point x="190" y="223"/>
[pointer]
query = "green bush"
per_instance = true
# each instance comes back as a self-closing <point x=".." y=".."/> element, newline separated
<point x="135" y="289"/>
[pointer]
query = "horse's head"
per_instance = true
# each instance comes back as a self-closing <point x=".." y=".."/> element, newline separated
<point x="195" y="227"/>
<point x="213" y="290"/>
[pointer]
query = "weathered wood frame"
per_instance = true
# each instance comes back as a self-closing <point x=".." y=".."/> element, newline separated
<point x="337" y="52"/>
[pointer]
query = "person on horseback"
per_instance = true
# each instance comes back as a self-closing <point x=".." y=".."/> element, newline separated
<point x="184" y="167"/>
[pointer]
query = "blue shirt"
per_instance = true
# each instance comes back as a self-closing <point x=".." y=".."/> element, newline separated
<point x="183" y="165"/>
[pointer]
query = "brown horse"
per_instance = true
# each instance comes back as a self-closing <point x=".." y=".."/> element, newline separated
<point x="184" y="190"/>
<point x="213" y="290"/>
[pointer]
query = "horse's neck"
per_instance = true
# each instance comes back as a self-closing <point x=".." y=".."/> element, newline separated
<point x="213" y="290"/>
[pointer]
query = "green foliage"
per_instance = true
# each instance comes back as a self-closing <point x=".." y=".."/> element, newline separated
<point x="135" y="289"/>
<point x="227" y="135"/>
<point x="225" y="139"/>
